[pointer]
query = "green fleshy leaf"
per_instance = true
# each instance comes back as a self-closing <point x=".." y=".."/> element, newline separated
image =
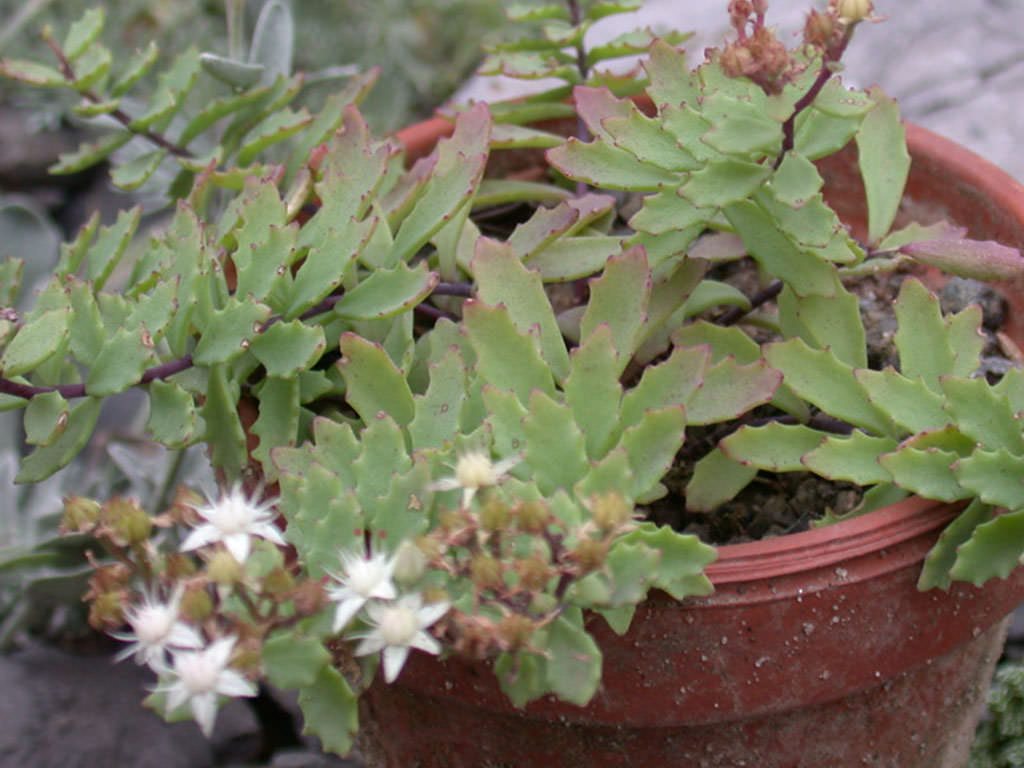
<point x="46" y="417"/>
<point x="943" y="555"/>
<point x="110" y="245"/>
<point x="121" y="362"/>
<point x="330" y="710"/>
<point x="775" y="447"/>
<point x="439" y="409"/>
<point x="172" y="414"/>
<point x="1012" y="385"/>
<point x="275" y="129"/>
<point x="983" y="415"/>
<point x="237" y="74"/>
<point x="994" y="550"/>
<point x="293" y="662"/>
<point x="619" y="298"/>
<point x="83" y="33"/>
<point x="603" y="165"/>
<point x="505" y="357"/>
<point x="853" y="458"/>
<point x="521" y="676"/>
<point x="460" y="166"/>
<point x="670" y="382"/>
<point x="593" y="392"/>
<point x="729" y="390"/>
<point x="502" y="279"/>
<point x="141" y="62"/>
<point x="224" y="432"/>
<point x="672" y="84"/>
<point x="555" y="448"/>
<point x="374" y="384"/>
<point x="387" y="292"/>
<point x="651" y="445"/>
<point x="908" y="402"/>
<point x="831" y="323"/>
<point x="884" y="163"/>
<point x="922" y="339"/>
<point x="996" y="477"/>
<point x="278" y="421"/>
<point x="680" y="570"/>
<point x="805" y="272"/>
<point x="136" y="172"/>
<point x="89" y="154"/>
<point x="230" y="331"/>
<point x="821" y="379"/>
<point x="573" y="668"/>
<point x="926" y="472"/>
<point x="46" y="460"/>
<point x="740" y="128"/>
<point x="716" y="479"/>
<point x="36" y="342"/>
<point x="796" y="181"/>
<point x="286" y="348"/>
<point x="383" y="455"/>
<point x="30" y="73"/>
<point x="273" y="40"/>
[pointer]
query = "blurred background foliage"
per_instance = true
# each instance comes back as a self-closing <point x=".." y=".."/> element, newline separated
<point x="425" y="48"/>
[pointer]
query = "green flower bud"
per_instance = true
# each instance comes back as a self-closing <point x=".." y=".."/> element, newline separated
<point x="106" y="612"/>
<point x="534" y="573"/>
<point x="486" y="572"/>
<point x="589" y="554"/>
<point x="223" y="569"/>
<point x="515" y="631"/>
<point x="128" y="522"/>
<point x="279" y="583"/>
<point x="410" y="563"/>
<point x="532" y="517"/>
<point x="852" y="11"/>
<point x="80" y="514"/>
<point x="495" y="515"/>
<point x="610" y="511"/>
<point x="196" y="604"/>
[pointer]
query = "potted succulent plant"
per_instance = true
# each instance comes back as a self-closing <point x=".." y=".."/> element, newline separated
<point x="434" y="442"/>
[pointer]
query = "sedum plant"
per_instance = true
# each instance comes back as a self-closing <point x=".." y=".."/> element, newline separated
<point x="429" y="439"/>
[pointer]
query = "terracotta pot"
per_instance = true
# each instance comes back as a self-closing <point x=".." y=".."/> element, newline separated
<point x="816" y="649"/>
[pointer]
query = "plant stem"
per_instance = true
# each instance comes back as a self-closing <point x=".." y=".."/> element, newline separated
<point x="829" y="57"/>
<point x="120" y="115"/>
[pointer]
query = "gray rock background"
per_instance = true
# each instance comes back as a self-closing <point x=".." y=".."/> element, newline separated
<point x="957" y="67"/>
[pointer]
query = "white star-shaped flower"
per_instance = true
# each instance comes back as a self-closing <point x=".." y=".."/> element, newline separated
<point x="234" y="520"/>
<point x="155" y="628"/>
<point x="399" y="626"/>
<point x="361" y="579"/>
<point x="199" y="677"/>
<point x="474" y="471"/>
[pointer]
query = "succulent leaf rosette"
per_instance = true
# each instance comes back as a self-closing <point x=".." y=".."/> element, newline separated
<point x="436" y="438"/>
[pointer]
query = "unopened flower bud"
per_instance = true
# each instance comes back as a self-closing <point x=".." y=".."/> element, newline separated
<point x="433" y="595"/>
<point x="515" y="631"/>
<point x="610" y="511"/>
<point x="534" y="573"/>
<point x="589" y="554"/>
<point x="279" y="583"/>
<point x="129" y="523"/>
<point x="494" y="515"/>
<point x="309" y="597"/>
<point x="410" y="563"/>
<point x="247" y="657"/>
<point x="106" y="612"/>
<point x="852" y="11"/>
<point x="196" y="604"/>
<point x="819" y="29"/>
<point x="223" y="569"/>
<point x="532" y="517"/>
<point x="179" y="566"/>
<point x="80" y="514"/>
<point x="486" y="572"/>
<point x="736" y="60"/>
